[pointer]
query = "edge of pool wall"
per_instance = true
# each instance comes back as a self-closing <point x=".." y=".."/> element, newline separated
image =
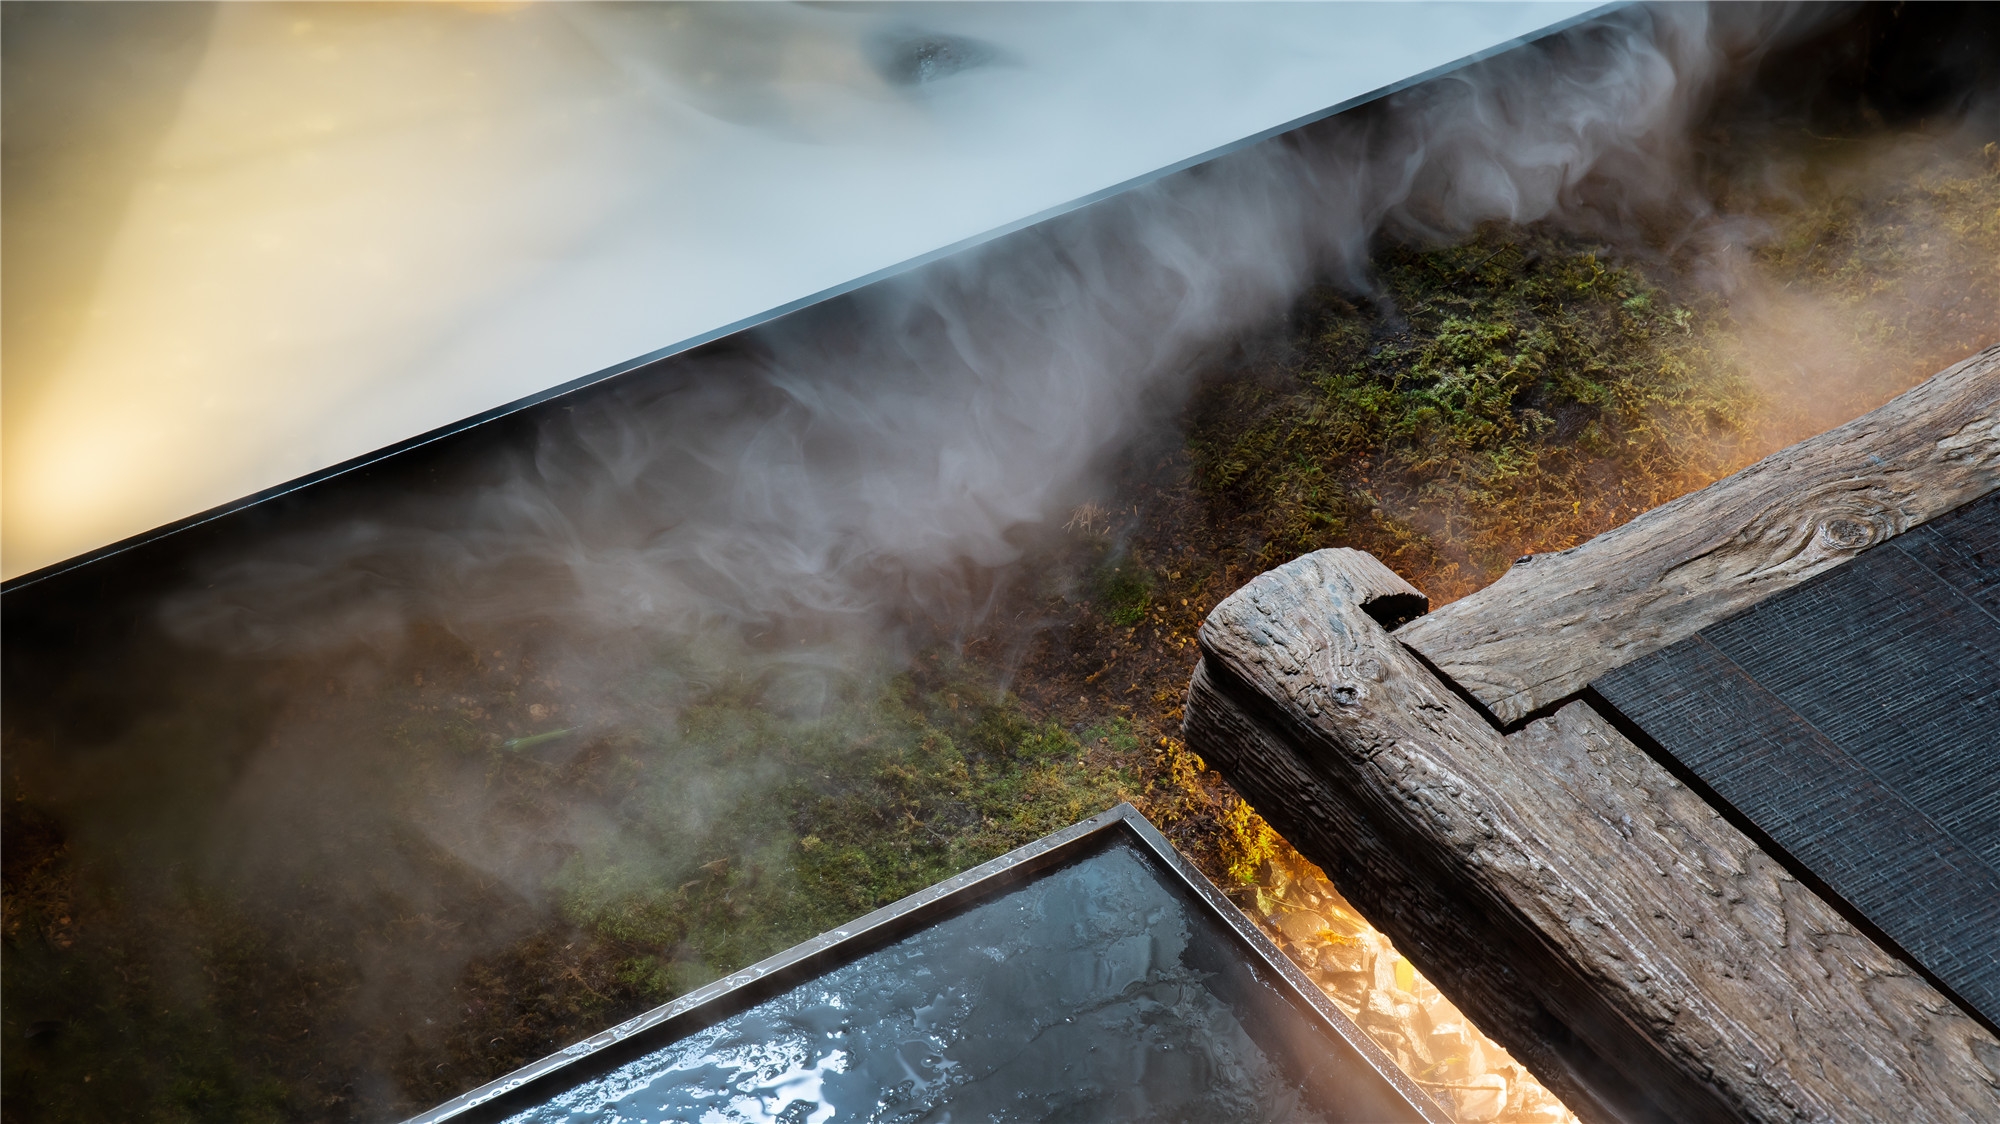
<point x="540" y="1080"/>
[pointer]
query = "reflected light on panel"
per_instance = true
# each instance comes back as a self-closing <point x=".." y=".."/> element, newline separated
<point x="362" y="222"/>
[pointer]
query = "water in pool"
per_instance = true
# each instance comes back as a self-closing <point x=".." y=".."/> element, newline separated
<point x="1095" y="992"/>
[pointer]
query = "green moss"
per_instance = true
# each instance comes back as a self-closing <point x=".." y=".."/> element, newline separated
<point x="1125" y="592"/>
<point x="112" y="1033"/>
<point x="1465" y="413"/>
<point x="704" y="829"/>
<point x="879" y="799"/>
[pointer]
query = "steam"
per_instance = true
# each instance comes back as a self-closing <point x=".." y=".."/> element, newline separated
<point x="348" y="224"/>
<point x="803" y="510"/>
<point x="850" y="465"/>
<point x="795" y="516"/>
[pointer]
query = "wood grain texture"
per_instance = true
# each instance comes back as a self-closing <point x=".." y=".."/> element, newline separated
<point x="1855" y="720"/>
<point x="1557" y="621"/>
<point x="1633" y="948"/>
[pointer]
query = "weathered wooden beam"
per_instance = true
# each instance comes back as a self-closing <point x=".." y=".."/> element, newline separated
<point x="1557" y="621"/>
<point x="1643" y="957"/>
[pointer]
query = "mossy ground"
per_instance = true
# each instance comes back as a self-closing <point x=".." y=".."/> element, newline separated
<point x="145" y="987"/>
<point x="1517" y="392"/>
<point x="1512" y="393"/>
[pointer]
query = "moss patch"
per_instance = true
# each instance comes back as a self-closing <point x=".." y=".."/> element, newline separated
<point x="1510" y="394"/>
<point x="923" y="779"/>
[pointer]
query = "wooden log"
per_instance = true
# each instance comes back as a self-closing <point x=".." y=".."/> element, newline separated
<point x="1644" y="958"/>
<point x="1557" y="621"/>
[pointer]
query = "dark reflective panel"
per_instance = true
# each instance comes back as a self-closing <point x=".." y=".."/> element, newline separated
<point x="1098" y="991"/>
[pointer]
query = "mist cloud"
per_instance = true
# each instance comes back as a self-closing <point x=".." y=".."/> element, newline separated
<point x="803" y="510"/>
<point x="852" y="463"/>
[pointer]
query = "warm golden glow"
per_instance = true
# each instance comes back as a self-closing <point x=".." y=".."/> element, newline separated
<point x="365" y="221"/>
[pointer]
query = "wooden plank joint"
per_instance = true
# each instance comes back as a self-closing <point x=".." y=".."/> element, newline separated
<point x="1637" y="952"/>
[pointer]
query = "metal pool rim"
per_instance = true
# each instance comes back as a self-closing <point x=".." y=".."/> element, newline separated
<point x="739" y="990"/>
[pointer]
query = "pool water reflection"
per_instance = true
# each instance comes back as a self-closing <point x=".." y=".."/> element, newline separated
<point x="1097" y="991"/>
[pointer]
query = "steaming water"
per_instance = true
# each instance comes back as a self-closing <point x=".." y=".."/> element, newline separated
<point x="1090" y="993"/>
<point x="356" y="223"/>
